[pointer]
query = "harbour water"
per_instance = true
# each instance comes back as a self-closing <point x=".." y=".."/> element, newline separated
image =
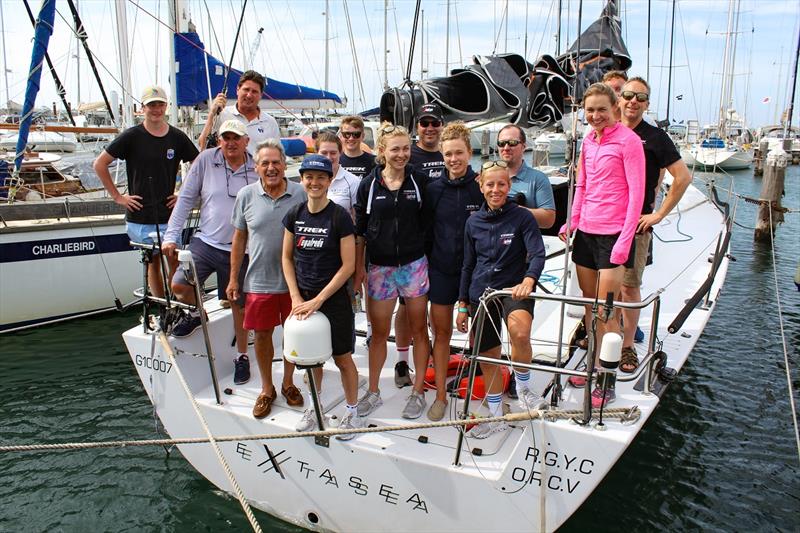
<point x="719" y="454"/>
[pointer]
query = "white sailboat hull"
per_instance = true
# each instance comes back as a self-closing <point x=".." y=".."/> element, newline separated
<point x="716" y="158"/>
<point x="557" y="142"/>
<point x="532" y="477"/>
<point x="55" y="270"/>
<point x="43" y="141"/>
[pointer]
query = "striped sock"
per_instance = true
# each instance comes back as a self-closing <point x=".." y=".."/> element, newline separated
<point x="402" y="354"/>
<point x="495" y="403"/>
<point x="523" y="380"/>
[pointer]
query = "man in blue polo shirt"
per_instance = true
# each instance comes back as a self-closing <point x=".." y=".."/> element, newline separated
<point x="530" y="188"/>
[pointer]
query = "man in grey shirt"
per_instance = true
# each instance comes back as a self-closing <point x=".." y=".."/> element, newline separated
<point x="258" y="226"/>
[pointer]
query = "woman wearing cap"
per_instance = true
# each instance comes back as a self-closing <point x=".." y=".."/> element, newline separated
<point x="449" y="203"/>
<point x="389" y="225"/>
<point x="605" y="212"/>
<point x="318" y="258"/>
<point x="502" y="248"/>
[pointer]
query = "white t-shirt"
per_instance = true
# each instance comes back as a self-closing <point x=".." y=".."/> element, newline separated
<point x="343" y="189"/>
<point x="259" y="129"/>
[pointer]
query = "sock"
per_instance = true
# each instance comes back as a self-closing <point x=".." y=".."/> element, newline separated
<point x="351" y="409"/>
<point x="369" y="330"/>
<point x="241" y="354"/>
<point x="523" y="380"/>
<point x="495" y="403"/>
<point x="402" y="354"/>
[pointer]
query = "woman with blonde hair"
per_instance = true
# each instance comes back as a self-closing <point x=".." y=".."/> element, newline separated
<point x="389" y="226"/>
<point x="450" y="200"/>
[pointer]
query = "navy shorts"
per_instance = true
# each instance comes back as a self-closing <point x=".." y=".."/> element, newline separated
<point x="594" y="251"/>
<point x="209" y="260"/>
<point x="499" y="309"/>
<point x="443" y="287"/>
<point x="339" y="312"/>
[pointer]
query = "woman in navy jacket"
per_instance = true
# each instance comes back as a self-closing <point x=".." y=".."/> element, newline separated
<point x="449" y="202"/>
<point x="389" y="225"/>
<point x="503" y="248"/>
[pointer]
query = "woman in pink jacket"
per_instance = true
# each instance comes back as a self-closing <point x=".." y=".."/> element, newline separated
<point x="605" y="212"/>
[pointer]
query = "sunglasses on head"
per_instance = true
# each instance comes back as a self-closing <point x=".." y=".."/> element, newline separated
<point x="640" y="97"/>
<point x="388" y="129"/>
<point x="351" y="134"/>
<point x="511" y="142"/>
<point x="426" y="123"/>
<point x="497" y="163"/>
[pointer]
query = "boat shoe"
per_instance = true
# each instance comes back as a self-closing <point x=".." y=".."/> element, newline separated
<point x="293" y="396"/>
<point x="436" y="412"/>
<point x="264" y="404"/>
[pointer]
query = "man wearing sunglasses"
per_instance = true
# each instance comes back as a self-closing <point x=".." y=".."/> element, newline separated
<point x="426" y="158"/>
<point x="353" y="158"/>
<point x="530" y="188"/>
<point x="660" y="154"/>
<point x="215" y="178"/>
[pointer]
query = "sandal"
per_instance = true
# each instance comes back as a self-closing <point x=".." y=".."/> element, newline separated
<point x="629" y="361"/>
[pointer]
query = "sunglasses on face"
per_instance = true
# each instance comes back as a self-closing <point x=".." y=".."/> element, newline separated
<point x="498" y="163"/>
<point x="640" y="97"/>
<point x="426" y="123"/>
<point x="511" y="142"/>
<point x="351" y="134"/>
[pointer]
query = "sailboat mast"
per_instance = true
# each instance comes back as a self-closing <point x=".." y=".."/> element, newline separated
<point x="77" y="57"/>
<point x="327" y="42"/>
<point x="726" y="73"/>
<point x="671" y="47"/>
<point x="124" y="63"/>
<point x="5" y="63"/>
<point x="385" y="44"/>
<point x="794" y="87"/>
<point x="558" y="29"/>
<point x="447" y="42"/>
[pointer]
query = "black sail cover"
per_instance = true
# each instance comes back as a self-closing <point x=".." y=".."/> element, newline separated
<point x="508" y="88"/>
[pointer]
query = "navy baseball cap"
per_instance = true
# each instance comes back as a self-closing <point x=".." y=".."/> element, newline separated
<point x="430" y="110"/>
<point x="317" y="162"/>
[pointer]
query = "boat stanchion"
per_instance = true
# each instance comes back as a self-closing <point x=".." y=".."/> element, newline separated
<point x="610" y="354"/>
<point x="187" y="261"/>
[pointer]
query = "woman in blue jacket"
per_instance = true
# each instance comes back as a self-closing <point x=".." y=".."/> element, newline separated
<point x="503" y="248"/>
<point x="449" y="202"/>
<point x="390" y="227"/>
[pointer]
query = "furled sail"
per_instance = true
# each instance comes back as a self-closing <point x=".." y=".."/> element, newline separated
<point x="193" y="84"/>
<point x="509" y="88"/>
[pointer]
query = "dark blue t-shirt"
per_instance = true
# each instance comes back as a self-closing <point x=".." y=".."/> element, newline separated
<point x="317" y="236"/>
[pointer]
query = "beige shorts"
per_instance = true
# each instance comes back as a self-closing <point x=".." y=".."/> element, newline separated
<point x="633" y="276"/>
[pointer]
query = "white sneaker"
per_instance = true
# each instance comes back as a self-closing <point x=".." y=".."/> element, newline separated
<point x="529" y="401"/>
<point x="350" y="421"/>
<point x="368" y="403"/>
<point x="481" y="431"/>
<point x="308" y="422"/>
<point x="415" y="406"/>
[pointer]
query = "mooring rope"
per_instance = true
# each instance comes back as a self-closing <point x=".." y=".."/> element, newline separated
<point x="622" y="413"/>
<point x="231" y="478"/>
<point x="783" y="338"/>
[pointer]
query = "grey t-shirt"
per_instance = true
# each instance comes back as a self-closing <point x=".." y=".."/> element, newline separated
<point x="262" y="217"/>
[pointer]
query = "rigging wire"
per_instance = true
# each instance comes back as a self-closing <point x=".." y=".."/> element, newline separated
<point x="355" y="55"/>
<point x="371" y="42"/>
<point x="688" y="64"/>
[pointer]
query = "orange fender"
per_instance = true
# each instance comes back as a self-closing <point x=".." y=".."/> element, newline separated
<point x="479" y="388"/>
<point x="453" y="365"/>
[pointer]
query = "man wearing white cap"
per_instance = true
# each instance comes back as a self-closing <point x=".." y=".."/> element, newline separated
<point x="153" y="151"/>
<point x="215" y="178"/>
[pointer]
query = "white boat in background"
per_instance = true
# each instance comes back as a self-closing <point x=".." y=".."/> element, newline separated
<point x="555" y="141"/>
<point x="776" y="136"/>
<point x="42" y="141"/>
<point x="714" y="154"/>
<point x="532" y="477"/>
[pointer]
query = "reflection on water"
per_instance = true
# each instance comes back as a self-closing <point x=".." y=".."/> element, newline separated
<point x="717" y="454"/>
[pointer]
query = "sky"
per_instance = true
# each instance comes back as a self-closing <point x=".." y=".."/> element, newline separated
<point x="293" y="43"/>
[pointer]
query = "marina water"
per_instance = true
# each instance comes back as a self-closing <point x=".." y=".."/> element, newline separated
<point x="718" y="454"/>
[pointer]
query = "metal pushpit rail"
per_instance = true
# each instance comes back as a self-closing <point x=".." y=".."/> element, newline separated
<point x="646" y="366"/>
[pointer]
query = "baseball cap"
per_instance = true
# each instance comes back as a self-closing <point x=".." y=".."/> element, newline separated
<point x="317" y="162"/>
<point x="153" y="93"/>
<point x="233" y="126"/>
<point x="430" y="110"/>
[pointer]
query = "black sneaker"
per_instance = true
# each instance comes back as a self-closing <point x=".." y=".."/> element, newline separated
<point x="401" y="377"/>
<point x="186" y="325"/>
<point x="512" y="388"/>
<point x="241" y="372"/>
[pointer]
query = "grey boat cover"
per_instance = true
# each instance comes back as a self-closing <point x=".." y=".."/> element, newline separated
<point x="508" y="88"/>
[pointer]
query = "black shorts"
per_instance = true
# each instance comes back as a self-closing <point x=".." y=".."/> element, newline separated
<point x="594" y="251"/>
<point x="499" y="309"/>
<point x="443" y="287"/>
<point x="339" y="312"/>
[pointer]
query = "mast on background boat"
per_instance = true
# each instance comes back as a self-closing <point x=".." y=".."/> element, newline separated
<point x="5" y="63"/>
<point x="124" y="62"/>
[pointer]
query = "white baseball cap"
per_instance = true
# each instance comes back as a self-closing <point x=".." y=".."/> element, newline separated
<point x="233" y="126"/>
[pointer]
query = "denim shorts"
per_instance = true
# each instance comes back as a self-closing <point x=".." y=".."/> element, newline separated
<point x="141" y="232"/>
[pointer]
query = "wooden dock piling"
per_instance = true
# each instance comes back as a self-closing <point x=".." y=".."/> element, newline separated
<point x="759" y="155"/>
<point x="770" y="196"/>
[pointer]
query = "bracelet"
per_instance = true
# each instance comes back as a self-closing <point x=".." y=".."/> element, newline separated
<point x="463" y="310"/>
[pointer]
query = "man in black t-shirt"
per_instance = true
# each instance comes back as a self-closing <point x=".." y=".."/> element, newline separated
<point x="353" y="158"/>
<point x="153" y="151"/>
<point x="660" y="155"/>
<point x="426" y="158"/>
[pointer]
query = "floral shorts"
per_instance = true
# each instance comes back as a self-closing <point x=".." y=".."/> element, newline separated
<point x="408" y="281"/>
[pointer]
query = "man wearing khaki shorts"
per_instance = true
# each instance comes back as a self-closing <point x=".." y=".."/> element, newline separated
<point x="660" y="154"/>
